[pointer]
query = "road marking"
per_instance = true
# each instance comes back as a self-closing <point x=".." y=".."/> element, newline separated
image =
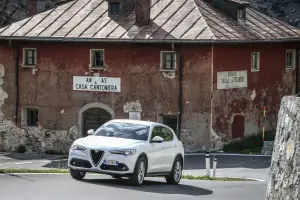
<point x="226" y="154"/>
<point x="23" y="163"/>
<point x="45" y="161"/>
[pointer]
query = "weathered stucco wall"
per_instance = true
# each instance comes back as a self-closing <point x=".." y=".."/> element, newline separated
<point x="49" y="88"/>
<point x="264" y="88"/>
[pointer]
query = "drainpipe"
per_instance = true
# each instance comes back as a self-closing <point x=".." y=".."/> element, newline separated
<point x="16" y="51"/>
<point x="179" y="89"/>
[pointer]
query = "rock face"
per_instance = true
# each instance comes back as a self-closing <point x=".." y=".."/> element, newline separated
<point x="285" y="10"/>
<point x="284" y="180"/>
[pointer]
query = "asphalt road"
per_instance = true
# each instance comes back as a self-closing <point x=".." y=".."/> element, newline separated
<point x="192" y="162"/>
<point x="63" y="187"/>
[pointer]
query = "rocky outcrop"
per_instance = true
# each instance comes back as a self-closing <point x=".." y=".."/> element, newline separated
<point x="36" y="139"/>
<point x="285" y="10"/>
<point x="284" y="180"/>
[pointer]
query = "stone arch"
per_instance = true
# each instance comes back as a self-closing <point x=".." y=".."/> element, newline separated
<point x="89" y="106"/>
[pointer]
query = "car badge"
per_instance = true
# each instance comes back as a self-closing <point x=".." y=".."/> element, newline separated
<point x="96" y="151"/>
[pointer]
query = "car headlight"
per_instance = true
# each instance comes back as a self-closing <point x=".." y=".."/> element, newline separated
<point x="78" y="147"/>
<point x="126" y="152"/>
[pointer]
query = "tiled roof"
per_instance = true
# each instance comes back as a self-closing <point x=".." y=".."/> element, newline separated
<point x="172" y="20"/>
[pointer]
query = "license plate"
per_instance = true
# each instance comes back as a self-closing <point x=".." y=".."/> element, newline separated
<point x="111" y="162"/>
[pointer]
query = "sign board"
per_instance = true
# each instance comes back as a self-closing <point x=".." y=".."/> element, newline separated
<point x="96" y="84"/>
<point x="135" y="115"/>
<point x="231" y="79"/>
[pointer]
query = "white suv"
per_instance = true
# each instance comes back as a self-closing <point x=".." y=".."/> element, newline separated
<point x="129" y="148"/>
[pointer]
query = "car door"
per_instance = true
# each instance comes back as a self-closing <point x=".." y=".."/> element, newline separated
<point x="169" y="146"/>
<point x="157" y="154"/>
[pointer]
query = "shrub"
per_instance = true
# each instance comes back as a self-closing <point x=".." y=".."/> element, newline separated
<point x="21" y="149"/>
<point x="250" y="144"/>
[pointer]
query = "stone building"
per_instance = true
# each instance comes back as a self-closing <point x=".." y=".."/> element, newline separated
<point x="205" y="68"/>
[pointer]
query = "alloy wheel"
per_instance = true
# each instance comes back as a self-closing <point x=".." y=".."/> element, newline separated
<point x="141" y="173"/>
<point x="178" y="171"/>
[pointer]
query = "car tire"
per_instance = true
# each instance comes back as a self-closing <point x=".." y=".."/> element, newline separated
<point x="175" y="175"/>
<point x="137" y="178"/>
<point x="78" y="175"/>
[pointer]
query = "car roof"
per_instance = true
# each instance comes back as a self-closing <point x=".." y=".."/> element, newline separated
<point x="142" y="122"/>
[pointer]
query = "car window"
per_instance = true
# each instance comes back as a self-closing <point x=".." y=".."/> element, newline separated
<point x="124" y="130"/>
<point x="163" y="132"/>
<point x="167" y="134"/>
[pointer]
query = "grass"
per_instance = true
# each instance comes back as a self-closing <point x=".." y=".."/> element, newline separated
<point x="63" y="171"/>
<point x="249" y="145"/>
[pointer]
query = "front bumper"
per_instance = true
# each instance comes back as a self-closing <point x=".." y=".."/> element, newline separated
<point x="83" y="161"/>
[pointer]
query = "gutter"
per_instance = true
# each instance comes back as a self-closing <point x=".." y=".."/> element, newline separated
<point x="168" y="41"/>
<point x="179" y="97"/>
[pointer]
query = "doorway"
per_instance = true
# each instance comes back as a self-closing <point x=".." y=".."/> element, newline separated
<point x="93" y="118"/>
<point x="238" y="126"/>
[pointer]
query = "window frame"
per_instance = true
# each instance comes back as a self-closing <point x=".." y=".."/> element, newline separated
<point x="293" y="59"/>
<point x="92" y="52"/>
<point x="162" y="63"/>
<point x="257" y="62"/>
<point x="26" y="111"/>
<point x="25" y="58"/>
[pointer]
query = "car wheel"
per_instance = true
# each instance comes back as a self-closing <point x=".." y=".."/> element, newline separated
<point x="138" y="176"/>
<point x="78" y="175"/>
<point x="175" y="176"/>
<point x="116" y="176"/>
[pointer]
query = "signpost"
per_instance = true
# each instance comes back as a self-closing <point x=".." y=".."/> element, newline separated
<point x="232" y="79"/>
<point x="96" y="84"/>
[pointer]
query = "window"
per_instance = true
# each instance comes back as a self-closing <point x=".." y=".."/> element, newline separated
<point x="114" y="8"/>
<point x="171" y="121"/>
<point x="29" y="57"/>
<point x="96" y="58"/>
<point x="32" y="115"/>
<point x="255" y="60"/>
<point x="168" y="60"/>
<point x="290" y="59"/>
<point x="163" y="132"/>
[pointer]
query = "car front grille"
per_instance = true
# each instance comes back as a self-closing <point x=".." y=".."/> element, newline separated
<point x="96" y="156"/>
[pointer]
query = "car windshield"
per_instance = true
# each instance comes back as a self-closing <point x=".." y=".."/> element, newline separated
<point x="124" y="130"/>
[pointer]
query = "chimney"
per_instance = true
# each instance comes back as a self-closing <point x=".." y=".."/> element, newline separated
<point x="142" y="12"/>
<point x="235" y="9"/>
<point x="32" y="6"/>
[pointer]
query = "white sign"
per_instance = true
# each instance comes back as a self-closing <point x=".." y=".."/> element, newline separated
<point x="232" y="79"/>
<point x="135" y="115"/>
<point x="92" y="83"/>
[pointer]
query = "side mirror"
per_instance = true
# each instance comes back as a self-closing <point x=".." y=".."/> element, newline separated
<point x="157" y="139"/>
<point x="90" y="132"/>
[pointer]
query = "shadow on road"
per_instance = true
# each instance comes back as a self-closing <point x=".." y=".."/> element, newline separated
<point x="151" y="186"/>
<point x="228" y="161"/>
<point x="32" y="156"/>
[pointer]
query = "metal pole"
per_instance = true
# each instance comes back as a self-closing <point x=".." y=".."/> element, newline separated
<point x="263" y="128"/>
<point x="215" y="166"/>
<point x="207" y="163"/>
